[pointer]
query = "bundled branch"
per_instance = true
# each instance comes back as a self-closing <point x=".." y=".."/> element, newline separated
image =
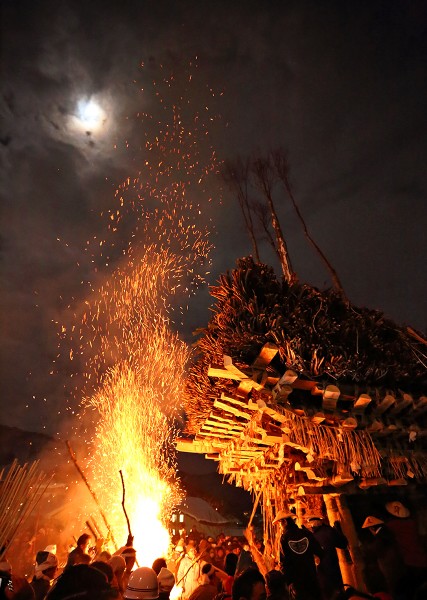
<point x="319" y="335"/>
<point x="412" y="465"/>
<point x="345" y="446"/>
<point x="21" y="488"/>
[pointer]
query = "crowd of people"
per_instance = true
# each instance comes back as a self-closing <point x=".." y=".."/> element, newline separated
<point x="231" y="568"/>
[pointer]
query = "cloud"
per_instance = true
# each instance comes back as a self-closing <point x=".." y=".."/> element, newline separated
<point x="341" y="86"/>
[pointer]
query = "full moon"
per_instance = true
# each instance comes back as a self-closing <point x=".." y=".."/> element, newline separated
<point x="90" y="115"/>
<point x="90" y="123"/>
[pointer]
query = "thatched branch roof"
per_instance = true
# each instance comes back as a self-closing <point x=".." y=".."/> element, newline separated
<point x="319" y="335"/>
<point x="296" y="389"/>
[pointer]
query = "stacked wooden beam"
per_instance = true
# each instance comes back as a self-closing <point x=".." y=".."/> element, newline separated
<point x="269" y="421"/>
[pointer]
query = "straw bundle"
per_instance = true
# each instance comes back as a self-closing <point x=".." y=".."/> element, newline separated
<point x="412" y="465"/>
<point x="317" y="333"/>
<point x="320" y="337"/>
<point x="354" y="448"/>
<point x="20" y="490"/>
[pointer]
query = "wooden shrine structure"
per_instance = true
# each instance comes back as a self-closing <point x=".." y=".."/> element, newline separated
<point x="287" y="426"/>
<point x="314" y="438"/>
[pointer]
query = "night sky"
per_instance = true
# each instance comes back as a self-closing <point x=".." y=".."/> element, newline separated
<point x="340" y="85"/>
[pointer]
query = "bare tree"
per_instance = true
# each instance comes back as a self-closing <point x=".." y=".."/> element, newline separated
<point x="264" y="173"/>
<point x="281" y="167"/>
<point x="236" y="175"/>
<point x="261" y="211"/>
<point x="265" y="179"/>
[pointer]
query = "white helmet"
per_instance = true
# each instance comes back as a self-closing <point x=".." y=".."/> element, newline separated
<point x="142" y="585"/>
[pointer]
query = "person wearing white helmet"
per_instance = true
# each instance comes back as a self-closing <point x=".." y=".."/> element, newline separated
<point x="142" y="585"/>
<point x="166" y="581"/>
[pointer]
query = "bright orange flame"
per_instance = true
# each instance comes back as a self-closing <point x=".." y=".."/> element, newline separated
<point x="135" y="363"/>
<point x="134" y="432"/>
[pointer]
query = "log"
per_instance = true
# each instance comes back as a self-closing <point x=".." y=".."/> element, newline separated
<point x="355" y="571"/>
<point x="266" y="355"/>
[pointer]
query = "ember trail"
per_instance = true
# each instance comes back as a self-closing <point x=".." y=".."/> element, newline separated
<point x="134" y="359"/>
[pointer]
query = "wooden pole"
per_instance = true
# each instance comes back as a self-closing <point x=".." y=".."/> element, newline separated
<point x="255" y="506"/>
<point x="130" y="536"/>
<point x="338" y="510"/>
<point x="21" y="491"/>
<point x="92" y="530"/>
<point x="92" y="493"/>
<point x="94" y="524"/>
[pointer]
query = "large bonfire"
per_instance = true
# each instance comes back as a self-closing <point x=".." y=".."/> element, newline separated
<point x="134" y="360"/>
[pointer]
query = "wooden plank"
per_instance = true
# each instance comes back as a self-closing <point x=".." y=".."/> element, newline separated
<point x="297" y="446"/>
<point x="197" y="447"/>
<point x="240" y="403"/>
<point x="226" y="418"/>
<point x="402" y="403"/>
<point x="243" y="377"/>
<point x="213" y="456"/>
<point x="371" y="482"/>
<point x="304" y="384"/>
<point x="225" y="425"/>
<point x="385" y="403"/>
<point x="392" y="428"/>
<point x="266" y="355"/>
<point x="248" y="453"/>
<point x="229" y="366"/>
<point x="269" y="438"/>
<point x="268" y="410"/>
<point x="219" y="430"/>
<point x="202" y="435"/>
<point x="223" y="374"/>
<point x="246" y="386"/>
<point x="231" y="409"/>
<point x="216" y="424"/>
<point x="361" y="403"/>
<point x="272" y="380"/>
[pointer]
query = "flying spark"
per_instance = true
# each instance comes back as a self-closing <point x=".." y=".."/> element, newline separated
<point x="134" y="359"/>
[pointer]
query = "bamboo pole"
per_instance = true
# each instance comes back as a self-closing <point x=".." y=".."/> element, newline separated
<point x="255" y="506"/>
<point x="20" y="492"/>
<point x="95" y="526"/>
<point x="344" y="556"/>
<point x="336" y="504"/>
<point x="92" y="493"/>
<point x="92" y="530"/>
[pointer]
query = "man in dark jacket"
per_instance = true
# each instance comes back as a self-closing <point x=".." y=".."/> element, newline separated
<point x="76" y="556"/>
<point x="298" y="549"/>
<point x="382" y="554"/>
<point x="328" y="570"/>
